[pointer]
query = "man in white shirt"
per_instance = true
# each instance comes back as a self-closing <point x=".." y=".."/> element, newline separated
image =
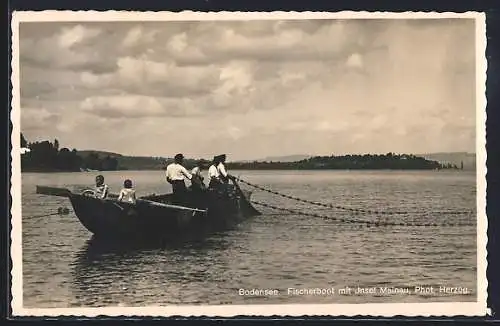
<point x="217" y="172"/>
<point x="176" y="173"/>
<point x="223" y="175"/>
<point x="213" y="173"/>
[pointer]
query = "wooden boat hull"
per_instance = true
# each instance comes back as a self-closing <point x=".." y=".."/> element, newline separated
<point x="146" y="219"/>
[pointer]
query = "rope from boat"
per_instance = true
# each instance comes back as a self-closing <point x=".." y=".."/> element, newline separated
<point x="350" y="209"/>
<point x="368" y="223"/>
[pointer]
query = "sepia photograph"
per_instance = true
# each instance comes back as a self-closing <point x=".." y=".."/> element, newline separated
<point x="226" y="164"/>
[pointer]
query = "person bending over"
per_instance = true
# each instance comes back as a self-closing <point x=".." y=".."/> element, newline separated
<point x="197" y="183"/>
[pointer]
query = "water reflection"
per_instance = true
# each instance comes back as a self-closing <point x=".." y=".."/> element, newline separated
<point x="106" y="273"/>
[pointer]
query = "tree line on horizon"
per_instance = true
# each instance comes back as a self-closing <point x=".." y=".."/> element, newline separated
<point x="389" y="161"/>
<point x="46" y="156"/>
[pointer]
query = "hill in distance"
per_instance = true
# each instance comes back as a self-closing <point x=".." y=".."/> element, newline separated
<point x="126" y="162"/>
<point x="84" y="153"/>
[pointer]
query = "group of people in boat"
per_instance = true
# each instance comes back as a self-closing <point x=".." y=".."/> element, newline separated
<point x="176" y="174"/>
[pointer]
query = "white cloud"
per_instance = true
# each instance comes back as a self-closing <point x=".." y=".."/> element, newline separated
<point x="355" y="60"/>
<point x="235" y="81"/>
<point x="120" y="106"/>
<point x="75" y="35"/>
<point x="69" y="48"/>
<point x="133" y="36"/>
<point x="178" y="43"/>
<point x="137" y="36"/>
<point x="234" y="132"/>
<point x="38" y="118"/>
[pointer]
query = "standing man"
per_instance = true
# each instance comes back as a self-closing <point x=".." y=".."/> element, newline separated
<point x="213" y="174"/>
<point x="176" y="173"/>
<point x="217" y="172"/>
<point x="223" y="176"/>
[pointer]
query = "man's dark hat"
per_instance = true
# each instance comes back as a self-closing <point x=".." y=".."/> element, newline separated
<point x="219" y="157"/>
<point x="179" y="156"/>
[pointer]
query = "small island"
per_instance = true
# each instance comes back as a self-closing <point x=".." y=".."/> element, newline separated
<point x="387" y="161"/>
<point x="46" y="156"/>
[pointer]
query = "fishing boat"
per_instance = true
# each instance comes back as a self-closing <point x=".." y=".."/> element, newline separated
<point x="157" y="216"/>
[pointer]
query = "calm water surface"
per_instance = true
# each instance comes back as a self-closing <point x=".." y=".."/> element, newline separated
<point x="64" y="267"/>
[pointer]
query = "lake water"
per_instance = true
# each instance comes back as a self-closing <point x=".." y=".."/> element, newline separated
<point x="64" y="267"/>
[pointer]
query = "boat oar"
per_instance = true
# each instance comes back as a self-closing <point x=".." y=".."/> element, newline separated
<point x="121" y="208"/>
<point x="153" y="203"/>
<point x="53" y="191"/>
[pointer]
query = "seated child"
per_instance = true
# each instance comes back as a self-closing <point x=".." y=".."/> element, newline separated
<point x="101" y="189"/>
<point x="127" y="194"/>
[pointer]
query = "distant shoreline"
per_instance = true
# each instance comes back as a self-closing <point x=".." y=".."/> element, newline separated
<point x="267" y="170"/>
<point x="48" y="157"/>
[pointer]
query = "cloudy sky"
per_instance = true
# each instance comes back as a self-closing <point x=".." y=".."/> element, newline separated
<point x="250" y="89"/>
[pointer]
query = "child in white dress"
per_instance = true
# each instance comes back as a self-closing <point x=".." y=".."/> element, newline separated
<point x="127" y="194"/>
